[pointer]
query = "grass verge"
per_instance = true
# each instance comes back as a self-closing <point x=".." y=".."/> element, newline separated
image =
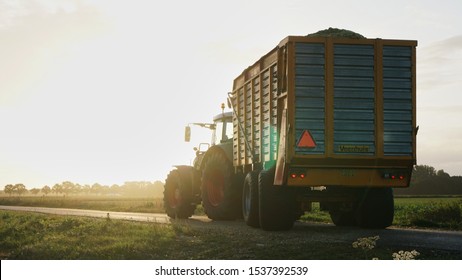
<point x="39" y="236"/>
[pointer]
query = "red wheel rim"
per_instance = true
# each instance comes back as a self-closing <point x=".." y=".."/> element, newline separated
<point x="215" y="187"/>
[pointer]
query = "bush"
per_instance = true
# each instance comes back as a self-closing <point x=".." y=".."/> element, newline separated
<point x="442" y="215"/>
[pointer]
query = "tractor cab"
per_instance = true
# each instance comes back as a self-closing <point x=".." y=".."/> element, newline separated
<point x="222" y="132"/>
<point x="223" y="128"/>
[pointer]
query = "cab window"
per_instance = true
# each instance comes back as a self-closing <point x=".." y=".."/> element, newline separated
<point x="223" y="132"/>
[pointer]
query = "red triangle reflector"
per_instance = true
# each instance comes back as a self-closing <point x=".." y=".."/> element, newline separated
<point x="306" y="140"/>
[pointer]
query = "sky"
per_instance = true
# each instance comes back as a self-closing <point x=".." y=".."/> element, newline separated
<point x="100" y="91"/>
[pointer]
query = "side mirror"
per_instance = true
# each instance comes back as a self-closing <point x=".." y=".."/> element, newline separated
<point x="187" y="133"/>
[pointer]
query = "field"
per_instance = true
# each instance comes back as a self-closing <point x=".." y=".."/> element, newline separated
<point x="107" y="203"/>
<point x="428" y="212"/>
<point x="415" y="212"/>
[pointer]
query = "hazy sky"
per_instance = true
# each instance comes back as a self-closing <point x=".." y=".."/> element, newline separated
<point x="100" y="91"/>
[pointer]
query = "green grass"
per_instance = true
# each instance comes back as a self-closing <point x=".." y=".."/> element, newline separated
<point x="444" y="213"/>
<point x="107" y="203"/>
<point x="415" y="212"/>
<point x="39" y="236"/>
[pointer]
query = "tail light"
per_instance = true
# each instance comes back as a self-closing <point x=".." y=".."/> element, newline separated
<point x="297" y="173"/>
<point x="393" y="176"/>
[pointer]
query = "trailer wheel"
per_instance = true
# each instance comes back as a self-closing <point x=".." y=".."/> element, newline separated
<point x="377" y="208"/>
<point x="218" y="194"/>
<point x="276" y="204"/>
<point x="343" y="214"/>
<point x="238" y="185"/>
<point x="178" y="202"/>
<point x="250" y="205"/>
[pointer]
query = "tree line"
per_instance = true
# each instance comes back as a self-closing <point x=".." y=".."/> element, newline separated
<point x="133" y="188"/>
<point x="426" y="180"/>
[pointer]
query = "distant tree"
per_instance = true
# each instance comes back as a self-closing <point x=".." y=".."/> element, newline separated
<point x="422" y="173"/>
<point x="46" y="190"/>
<point x="68" y="187"/>
<point x="425" y="171"/>
<point x="442" y="174"/>
<point x="9" y="189"/>
<point x="105" y="189"/>
<point x="78" y="188"/>
<point x="57" y="188"/>
<point x="86" y="189"/>
<point x="115" y="189"/>
<point x="35" y="191"/>
<point x="131" y="188"/>
<point x="141" y="188"/>
<point x="20" y="189"/>
<point x="96" y="188"/>
<point x="158" y="189"/>
<point x="427" y="181"/>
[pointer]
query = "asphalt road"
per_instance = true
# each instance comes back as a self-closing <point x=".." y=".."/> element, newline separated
<point x="396" y="237"/>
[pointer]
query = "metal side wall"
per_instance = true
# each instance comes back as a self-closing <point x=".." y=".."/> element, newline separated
<point x="397" y="101"/>
<point x="310" y="98"/>
<point x="354" y="99"/>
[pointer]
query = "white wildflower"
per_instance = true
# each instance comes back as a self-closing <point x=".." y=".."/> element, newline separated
<point x="405" y="255"/>
<point x="366" y="244"/>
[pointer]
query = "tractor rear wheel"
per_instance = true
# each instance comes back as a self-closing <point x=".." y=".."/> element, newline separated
<point x="219" y="195"/>
<point x="178" y="202"/>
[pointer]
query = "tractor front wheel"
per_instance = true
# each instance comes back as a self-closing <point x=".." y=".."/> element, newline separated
<point x="178" y="202"/>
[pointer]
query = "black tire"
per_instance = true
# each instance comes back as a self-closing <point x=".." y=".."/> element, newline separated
<point x="219" y="198"/>
<point x="377" y="208"/>
<point x="276" y="204"/>
<point x="250" y="205"/>
<point x="343" y="214"/>
<point x="238" y="184"/>
<point x="178" y="202"/>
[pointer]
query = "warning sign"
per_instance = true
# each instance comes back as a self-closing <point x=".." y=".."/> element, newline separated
<point x="306" y="140"/>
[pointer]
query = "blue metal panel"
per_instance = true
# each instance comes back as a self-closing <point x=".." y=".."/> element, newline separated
<point x="397" y="100"/>
<point x="354" y="99"/>
<point x="310" y="95"/>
